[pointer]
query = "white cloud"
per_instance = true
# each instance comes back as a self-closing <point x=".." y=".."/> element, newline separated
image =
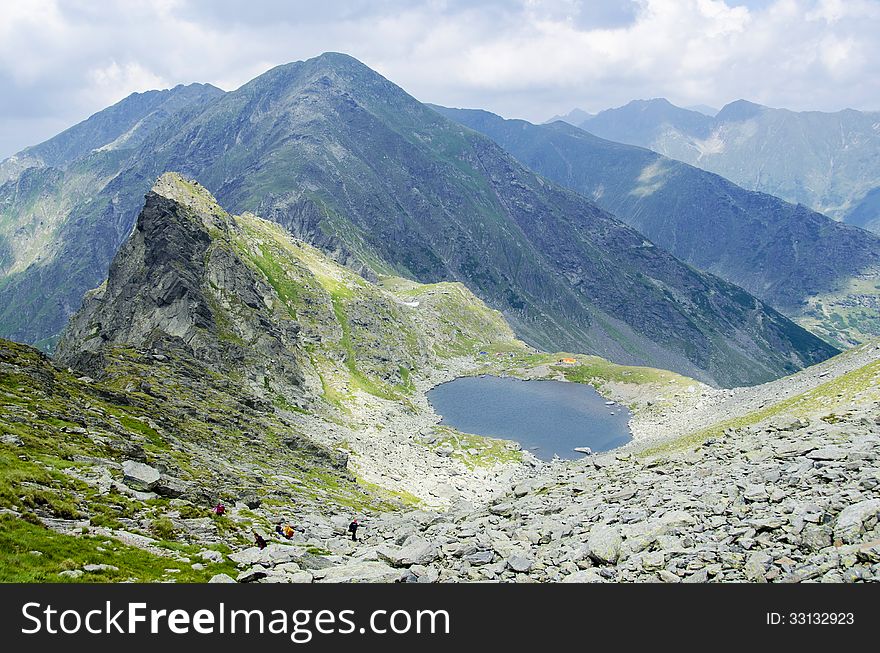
<point x="115" y="81"/>
<point x="61" y="60"/>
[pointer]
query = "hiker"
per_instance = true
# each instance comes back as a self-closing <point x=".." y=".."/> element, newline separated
<point x="353" y="529"/>
<point x="259" y="541"/>
<point x="219" y="509"/>
<point x="287" y="531"/>
<point x="279" y="529"/>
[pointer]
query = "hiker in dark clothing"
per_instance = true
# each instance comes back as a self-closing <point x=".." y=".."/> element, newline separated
<point x="279" y="529"/>
<point x="353" y="529"/>
<point x="259" y="541"/>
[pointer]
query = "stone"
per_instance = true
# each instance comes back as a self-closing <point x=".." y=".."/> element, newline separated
<point x="210" y="555"/>
<point x="480" y="557"/>
<point x="699" y="576"/>
<point x="520" y="563"/>
<point x="416" y="551"/>
<point x="250" y="499"/>
<point x="815" y="538"/>
<point x="172" y="487"/>
<point x="755" y="493"/>
<point x="827" y="453"/>
<point x="850" y="522"/>
<point x="584" y="576"/>
<point x="221" y="578"/>
<point x="140" y="476"/>
<point x="668" y="577"/>
<point x="604" y="544"/>
<point x="653" y="560"/>
<point x="93" y="568"/>
<point x="299" y="577"/>
<point x="71" y="573"/>
<point x="756" y="566"/>
<point x="253" y="574"/>
<point x="359" y="572"/>
<point x="272" y="555"/>
<point x="340" y="523"/>
<point x="445" y="450"/>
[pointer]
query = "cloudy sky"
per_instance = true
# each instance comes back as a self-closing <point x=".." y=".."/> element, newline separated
<point x="62" y="60"/>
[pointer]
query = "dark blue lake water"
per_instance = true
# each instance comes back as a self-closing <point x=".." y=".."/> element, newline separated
<point x="546" y="417"/>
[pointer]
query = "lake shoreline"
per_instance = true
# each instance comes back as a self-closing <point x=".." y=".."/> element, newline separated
<point x="547" y="417"/>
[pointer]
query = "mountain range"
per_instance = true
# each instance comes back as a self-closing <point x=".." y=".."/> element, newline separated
<point x="821" y="273"/>
<point x="224" y="361"/>
<point x="829" y="162"/>
<point x="350" y="163"/>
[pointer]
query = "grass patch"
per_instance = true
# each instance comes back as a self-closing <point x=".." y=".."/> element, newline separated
<point x="825" y="398"/>
<point x="67" y="552"/>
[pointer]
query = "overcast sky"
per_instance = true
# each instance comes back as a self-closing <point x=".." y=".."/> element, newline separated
<point x="62" y="60"/>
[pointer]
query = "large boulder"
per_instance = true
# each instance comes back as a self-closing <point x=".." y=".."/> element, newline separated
<point x="359" y="572"/>
<point x="604" y="544"/>
<point x="584" y="576"/>
<point x="175" y="488"/>
<point x="274" y="554"/>
<point x="139" y="476"/>
<point x="521" y="563"/>
<point x="851" y="521"/>
<point x="416" y="551"/>
<point x="221" y="578"/>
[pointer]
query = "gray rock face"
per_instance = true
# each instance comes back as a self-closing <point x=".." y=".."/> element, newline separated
<point x="140" y="476"/>
<point x="756" y="567"/>
<point x="480" y="557"/>
<point x="168" y="287"/>
<point x="584" y="576"/>
<point x="92" y="568"/>
<point x="252" y="574"/>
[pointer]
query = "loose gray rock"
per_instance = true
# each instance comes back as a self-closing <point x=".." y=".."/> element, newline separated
<point x="416" y="551"/>
<point x="139" y="476"/>
<point x="359" y="572"/>
<point x="604" y="544"/>
<point x="850" y="522"/>
<point x="480" y="557"/>
<point x="520" y="563"/>
<point x="221" y="578"/>
<point x="93" y="568"/>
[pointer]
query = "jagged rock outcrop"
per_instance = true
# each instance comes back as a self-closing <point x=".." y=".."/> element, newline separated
<point x="179" y="284"/>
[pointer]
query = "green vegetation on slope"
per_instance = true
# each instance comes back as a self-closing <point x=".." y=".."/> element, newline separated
<point x="828" y="400"/>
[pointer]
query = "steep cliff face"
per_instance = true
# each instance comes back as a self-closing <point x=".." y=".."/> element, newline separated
<point x="179" y="283"/>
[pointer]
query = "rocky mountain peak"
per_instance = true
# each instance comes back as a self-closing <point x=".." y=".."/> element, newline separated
<point x="739" y="110"/>
<point x="179" y="284"/>
<point x="197" y="199"/>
